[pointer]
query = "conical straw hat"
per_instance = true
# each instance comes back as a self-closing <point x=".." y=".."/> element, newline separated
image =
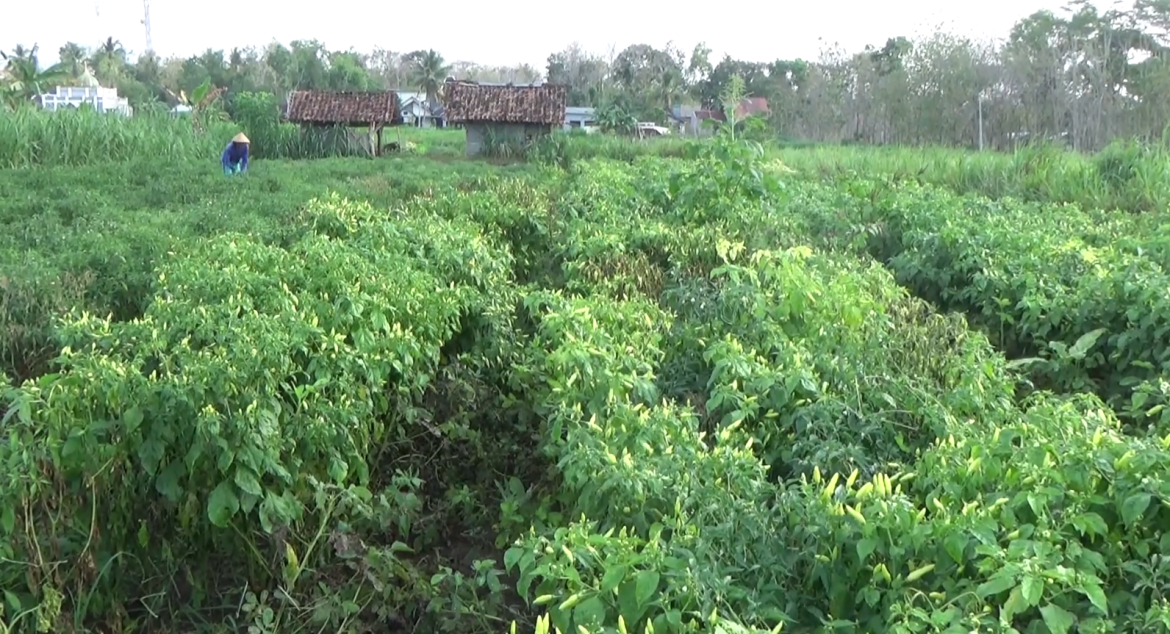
<point x="240" y="138"/>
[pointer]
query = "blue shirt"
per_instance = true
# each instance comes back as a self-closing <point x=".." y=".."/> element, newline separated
<point x="235" y="153"/>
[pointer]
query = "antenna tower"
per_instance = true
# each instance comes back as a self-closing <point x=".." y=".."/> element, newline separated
<point x="146" y="24"/>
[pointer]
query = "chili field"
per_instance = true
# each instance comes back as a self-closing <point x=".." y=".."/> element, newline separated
<point x="649" y="395"/>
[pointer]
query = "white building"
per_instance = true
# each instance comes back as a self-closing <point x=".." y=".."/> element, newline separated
<point x="418" y="112"/>
<point x="580" y="117"/>
<point x="101" y="99"/>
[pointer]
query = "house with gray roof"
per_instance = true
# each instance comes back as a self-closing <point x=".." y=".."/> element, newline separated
<point x="418" y="112"/>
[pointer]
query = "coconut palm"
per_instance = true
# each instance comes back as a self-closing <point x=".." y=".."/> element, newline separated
<point x="73" y="57"/>
<point x="19" y="55"/>
<point x="669" y="86"/>
<point x="428" y="71"/>
<point x="20" y="52"/>
<point x="112" y="48"/>
<point x="109" y="60"/>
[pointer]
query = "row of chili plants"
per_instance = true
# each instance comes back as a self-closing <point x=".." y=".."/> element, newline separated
<point x="784" y="439"/>
<point x="1079" y="298"/>
<point x="253" y="438"/>
<point x="92" y="236"/>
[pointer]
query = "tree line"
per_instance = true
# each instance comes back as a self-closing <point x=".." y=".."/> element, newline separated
<point x="1082" y="77"/>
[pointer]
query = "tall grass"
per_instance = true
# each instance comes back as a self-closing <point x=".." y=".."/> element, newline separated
<point x="1125" y="175"/>
<point x="33" y="137"/>
<point x="565" y="147"/>
<point x="258" y="113"/>
<point x="431" y="141"/>
<point x="557" y="147"/>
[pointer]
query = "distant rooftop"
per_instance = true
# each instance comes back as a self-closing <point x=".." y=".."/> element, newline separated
<point x="751" y="106"/>
<point x="495" y="83"/>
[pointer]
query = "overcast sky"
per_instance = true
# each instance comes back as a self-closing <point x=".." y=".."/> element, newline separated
<point x="506" y="32"/>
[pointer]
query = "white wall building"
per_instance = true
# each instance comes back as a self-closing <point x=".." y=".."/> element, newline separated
<point x="101" y="99"/>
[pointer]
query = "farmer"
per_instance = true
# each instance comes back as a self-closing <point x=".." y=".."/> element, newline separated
<point x="235" y="155"/>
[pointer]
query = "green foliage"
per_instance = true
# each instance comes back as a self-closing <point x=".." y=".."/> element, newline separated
<point x="563" y="148"/>
<point x="90" y="237"/>
<point x="1075" y="297"/>
<point x="256" y="401"/>
<point x="1135" y="172"/>
<point x="658" y="394"/>
<point x="259" y="114"/>
<point x="616" y="118"/>
<point x="1126" y="176"/>
<point x="71" y="138"/>
<point x="733" y="94"/>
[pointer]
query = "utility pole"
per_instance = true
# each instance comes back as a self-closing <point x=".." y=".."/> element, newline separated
<point x="980" y="102"/>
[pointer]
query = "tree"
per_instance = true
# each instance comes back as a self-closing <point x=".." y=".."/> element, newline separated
<point x="614" y="117"/>
<point x="26" y="79"/>
<point x="1082" y="75"/>
<point x="517" y="74"/>
<point x="73" y="57"/>
<point x="388" y="66"/>
<point x="699" y="68"/>
<point x="670" y="86"/>
<point x="583" y="73"/>
<point x="109" y="61"/>
<point x="753" y="74"/>
<point x="347" y="71"/>
<point x="650" y="78"/>
<point x="428" y="71"/>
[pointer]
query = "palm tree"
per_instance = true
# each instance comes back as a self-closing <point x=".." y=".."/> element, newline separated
<point x="20" y="52"/>
<point x="428" y="71"/>
<point x="112" y="48"/>
<point x="19" y="55"/>
<point x="109" y="60"/>
<point x="670" y="87"/>
<point x="73" y="56"/>
<point x="25" y="78"/>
